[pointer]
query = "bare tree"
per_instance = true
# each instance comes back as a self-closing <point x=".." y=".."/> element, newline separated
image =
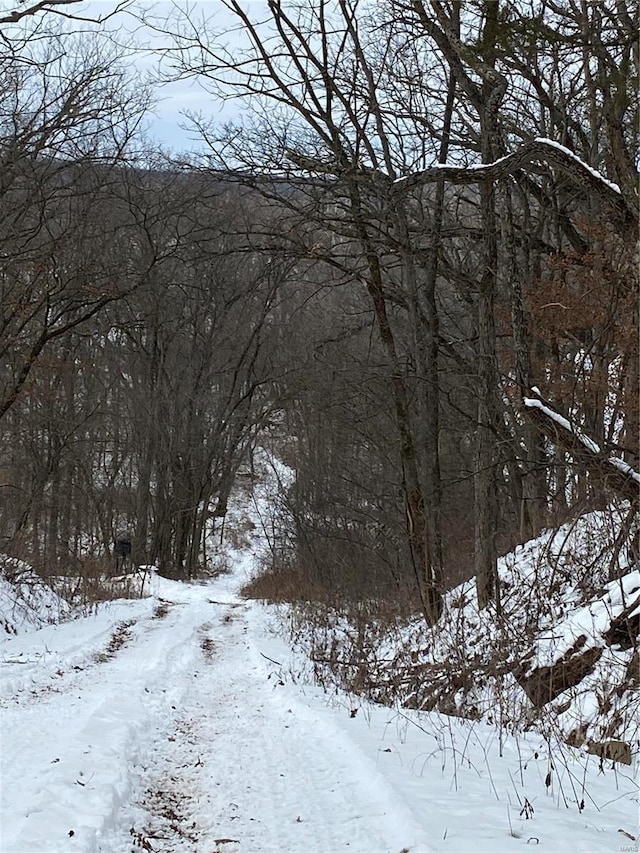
<point x="66" y="120"/>
<point x="67" y="9"/>
<point x="381" y="257"/>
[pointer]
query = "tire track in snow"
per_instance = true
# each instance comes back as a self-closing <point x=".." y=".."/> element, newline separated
<point x="84" y="742"/>
<point x="44" y="673"/>
<point x="183" y="742"/>
<point x="248" y="772"/>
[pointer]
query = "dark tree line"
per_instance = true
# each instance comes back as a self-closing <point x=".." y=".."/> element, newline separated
<point x="134" y="320"/>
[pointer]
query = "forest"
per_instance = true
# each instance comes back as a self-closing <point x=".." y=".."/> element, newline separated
<point x="410" y="266"/>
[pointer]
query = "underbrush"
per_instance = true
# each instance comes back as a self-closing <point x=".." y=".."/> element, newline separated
<point x="28" y="601"/>
<point x="283" y="583"/>
<point x="280" y="581"/>
<point x="96" y="584"/>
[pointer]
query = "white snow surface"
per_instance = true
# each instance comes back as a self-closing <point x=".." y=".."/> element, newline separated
<point x="192" y="734"/>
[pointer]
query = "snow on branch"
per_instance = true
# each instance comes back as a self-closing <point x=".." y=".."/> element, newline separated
<point x="534" y="151"/>
<point x="538" y="150"/>
<point x="564" y="423"/>
<point x="616" y="473"/>
<point x="566" y="153"/>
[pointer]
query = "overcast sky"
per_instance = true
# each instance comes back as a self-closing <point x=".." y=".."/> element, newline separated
<point x="168" y="124"/>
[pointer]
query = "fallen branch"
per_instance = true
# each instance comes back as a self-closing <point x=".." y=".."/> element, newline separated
<point x="271" y="660"/>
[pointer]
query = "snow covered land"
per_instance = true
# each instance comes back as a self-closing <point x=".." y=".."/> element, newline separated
<point x="183" y="721"/>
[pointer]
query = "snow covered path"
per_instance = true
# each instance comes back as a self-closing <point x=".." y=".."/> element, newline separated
<point x="174" y="724"/>
<point x="180" y="739"/>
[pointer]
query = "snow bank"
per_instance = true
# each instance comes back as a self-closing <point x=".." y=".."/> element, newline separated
<point x="26" y="601"/>
<point x="557" y="605"/>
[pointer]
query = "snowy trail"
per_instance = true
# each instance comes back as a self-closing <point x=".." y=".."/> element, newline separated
<point x="182" y="741"/>
<point x="169" y="725"/>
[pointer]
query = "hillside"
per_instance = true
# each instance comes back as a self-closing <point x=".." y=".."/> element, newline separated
<point x="560" y="657"/>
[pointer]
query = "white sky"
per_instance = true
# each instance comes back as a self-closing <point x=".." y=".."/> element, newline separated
<point x="167" y="124"/>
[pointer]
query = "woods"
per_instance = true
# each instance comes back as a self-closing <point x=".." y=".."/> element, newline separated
<point x="427" y="212"/>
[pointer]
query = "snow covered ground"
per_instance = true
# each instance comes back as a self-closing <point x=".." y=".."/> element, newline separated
<point x="187" y="733"/>
<point x="175" y="723"/>
<point x="172" y="724"/>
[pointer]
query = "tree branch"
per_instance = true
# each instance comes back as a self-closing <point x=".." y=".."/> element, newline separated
<point x="611" y="471"/>
<point x="49" y="6"/>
